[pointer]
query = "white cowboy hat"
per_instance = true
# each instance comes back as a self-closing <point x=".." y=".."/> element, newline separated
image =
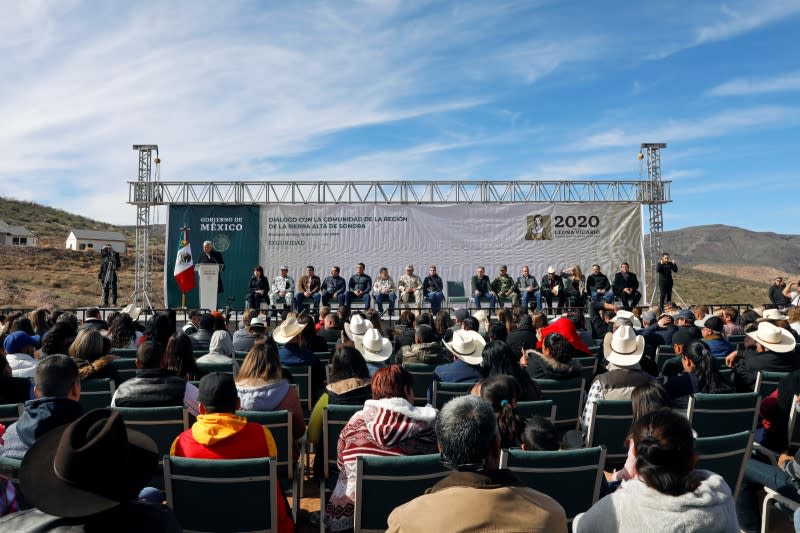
<point x="373" y="346"/>
<point x="287" y="330"/>
<point x="623" y="347"/>
<point x="773" y="338"/>
<point x="772" y="314"/>
<point x="622" y="313"/>
<point x="357" y="326"/>
<point x="258" y="321"/>
<point x="132" y="311"/>
<point x="480" y="315"/>
<point x="467" y="345"/>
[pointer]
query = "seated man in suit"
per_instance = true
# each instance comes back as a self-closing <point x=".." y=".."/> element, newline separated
<point x="626" y="287"/>
<point x="334" y="286"/>
<point x="359" y="286"/>
<point x="482" y="288"/>
<point x="308" y="287"/>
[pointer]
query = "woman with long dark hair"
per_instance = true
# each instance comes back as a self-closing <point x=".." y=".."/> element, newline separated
<point x="700" y="374"/>
<point x="498" y="359"/>
<point x="667" y="493"/>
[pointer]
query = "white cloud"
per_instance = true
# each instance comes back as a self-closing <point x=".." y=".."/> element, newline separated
<point x="748" y="86"/>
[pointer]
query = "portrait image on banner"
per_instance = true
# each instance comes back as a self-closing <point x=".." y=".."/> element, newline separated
<point x="233" y="234"/>
<point x="538" y="228"/>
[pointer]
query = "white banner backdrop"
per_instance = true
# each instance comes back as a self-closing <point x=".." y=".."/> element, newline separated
<point x="457" y="238"/>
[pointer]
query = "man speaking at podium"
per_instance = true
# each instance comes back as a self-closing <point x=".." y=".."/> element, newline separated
<point x="210" y="255"/>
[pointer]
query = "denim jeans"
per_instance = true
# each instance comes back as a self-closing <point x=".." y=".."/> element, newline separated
<point x="476" y="300"/>
<point x="526" y="296"/>
<point x="608" y="296"/>
<point x="436" y="299"/>
<point x="380" y="298"/>
<point x="757" y="475"/>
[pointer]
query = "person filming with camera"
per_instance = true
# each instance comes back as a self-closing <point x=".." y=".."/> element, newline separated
<point x="109" y="266"/>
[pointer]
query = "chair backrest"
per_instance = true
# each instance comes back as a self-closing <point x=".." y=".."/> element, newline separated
<point x="162" y="424"/>
<point x="725" y="455"/>
<point x="10" y="412"/>
<point x="96" y="393"/>
<point x="588" y="366"/>
<point x="334" y="418"/>
<point x="124" y="352"/>
<point x="423" y="380"/>
<point x="126" y="367"/>
<point x="545" y="408"/>
<point x="794" y="427"/>
<point x="722" y="414"/>
<point x="567" y="394"/>
<point x="571" y="477"/>
<point x="767" y="382"/>
<point x="324" y="357"/>
<point x="384" y="483"/>
<point x="455" y="290"/>
<point x="301" y="376"/>
<point x="609" y="424"/>
<point x="198" y="488"/>
<point x="664" y="353"/>
<point x="208" y="368"/>
<point x="443" y="392"/>
<point x="279" y="424"/>
<point x="736" y="339"/>
<point x="10" y="468"/>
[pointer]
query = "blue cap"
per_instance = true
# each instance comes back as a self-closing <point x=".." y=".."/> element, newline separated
<point x="18" y="340"/>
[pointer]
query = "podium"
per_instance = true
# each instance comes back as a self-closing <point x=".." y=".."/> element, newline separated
<point x="209" y="281"/>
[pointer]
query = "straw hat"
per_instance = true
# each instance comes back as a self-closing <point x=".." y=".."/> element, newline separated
<point x="622" y="313"/>
<point x="772" y="314"/>
<point x="373" y="346"/>
<point x="623" y="347"/>
<point x="357" y="326"/>
<point x="468" y="346"/>
<point x="287" y="330"/>
<point x="773" y="338"/>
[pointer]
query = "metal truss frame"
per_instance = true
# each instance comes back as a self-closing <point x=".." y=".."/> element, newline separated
<point x="397" y="192"/>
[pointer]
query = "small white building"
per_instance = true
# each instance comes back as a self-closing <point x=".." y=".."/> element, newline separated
<point x="16" y="235"/>
<point x="87" y="239"/>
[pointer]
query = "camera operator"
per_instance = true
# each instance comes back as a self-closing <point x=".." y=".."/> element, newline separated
<point x="108" y="273"/>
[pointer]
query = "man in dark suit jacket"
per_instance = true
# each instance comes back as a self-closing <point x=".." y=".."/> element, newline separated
<point x="308" y="286"/>
<point x="210" y="255"/>
<point x="626" y="287"/>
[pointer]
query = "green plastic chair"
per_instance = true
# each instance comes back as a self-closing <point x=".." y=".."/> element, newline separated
<point x="301" y="376"/>
<point x="198" y="488"/>
<point x="290" y="469"/>
<point x="664" y="354"/>
<point x="423" y="380"/>
<point x="334" y="418"/>
<point x="385" y="483"/>
<point x="609" y="424"/>
<point x="588" y="366"/>
<point x="725" y="455"/>
<point x="124" y="352"/>
<point x="10" y="412"/>
<point x="545" y="408"/>
<point x="567" y="394"/>
<point x="456" y="293"/>
<point x="162" y="424"/>
<point x="96" y="393"/>
<point x="571" y="477"/>
<point x="443" y="392"/>
<point x="767" y="382"/>
<point x="126" y="367"/>
<point x="712" y="415"/>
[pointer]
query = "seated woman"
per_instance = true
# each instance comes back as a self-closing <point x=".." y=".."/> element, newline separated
<point x="540" y="435"/>
<point x="555" y="361"/>
<point x="348" y="384"/>
<point x="389" y="425"/>
<point x="502" y="392"/>
<point x="178" y="357"/>
<point x="498" y="359"/>
<point x="122" y="332"/>
<point x="700" y="374"/>
<point x="667" y="494"/>
<point x="574" y="286"/>
<point x="261" y="386"/>
<point x="220" y="351"/>
<point x="91" y="353"/>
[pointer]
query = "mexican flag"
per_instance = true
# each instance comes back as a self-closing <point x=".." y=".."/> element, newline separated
<point x="184" y="266"/>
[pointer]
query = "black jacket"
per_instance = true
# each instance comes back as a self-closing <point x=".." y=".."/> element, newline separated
<point x="620" y="282"/>
<point x="151" y="388"/>
<point x="749" y="362"/>
<point x="201" y="339"/>
<point x="540" y="367"/>
<point x="522" y="337"/>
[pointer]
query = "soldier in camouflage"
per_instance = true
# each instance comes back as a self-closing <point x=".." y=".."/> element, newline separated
<point x="505" y="288"/>
<point x="283" y="288"/>
<point x="410" y="285"/>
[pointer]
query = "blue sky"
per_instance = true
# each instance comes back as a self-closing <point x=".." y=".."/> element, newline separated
<point x="405" y="90"/>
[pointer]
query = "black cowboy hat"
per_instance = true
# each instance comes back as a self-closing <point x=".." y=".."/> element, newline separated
<point x="88" y="466"/>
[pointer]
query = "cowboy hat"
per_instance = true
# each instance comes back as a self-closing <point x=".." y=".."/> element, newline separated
<point x="88" y="466"/>
<point x="622" y="313"/>
<point x="623" y="347"/>
<point x="773" y="338"/>
<point x="357" y="326"/>
<point x="373" y="346"/>
<point x="771" y="314"/>
<point x="480" y="315"/>
<point x="132" y="311"/>
<point x="287" y="330"/>
<point x="467" y="345"/>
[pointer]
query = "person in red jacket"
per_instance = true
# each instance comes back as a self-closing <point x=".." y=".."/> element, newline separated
<point x="220" y="434"/>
